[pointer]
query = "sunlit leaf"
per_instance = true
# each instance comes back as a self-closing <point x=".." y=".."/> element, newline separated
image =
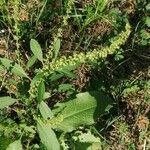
<point x="45" y="111"/>
<point x="36" y="49"/>
<point x="47" y="136"/>
<point x="83" y="110"/>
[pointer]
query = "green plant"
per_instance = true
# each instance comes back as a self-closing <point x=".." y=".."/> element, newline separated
<point x="72" y="76"/>
<point x="81" y="58"/>
<point x="65" y="117"/>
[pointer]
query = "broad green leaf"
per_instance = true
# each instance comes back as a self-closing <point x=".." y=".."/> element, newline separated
<point x="31" y="61"/>
<point x="16" y="145"/>
<point x="13" y="67"/>
<point x="83" y="110"/>
<point x="45" y="111"/>
<point x="56" y="48"/>
<point x="41" y="91"/>
<point x="47" y="136"/>
<point x="6" y="101"/>
<point x="36" y="49"/>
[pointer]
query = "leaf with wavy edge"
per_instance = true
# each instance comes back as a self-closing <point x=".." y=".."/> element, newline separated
<point x="83" y="110"/>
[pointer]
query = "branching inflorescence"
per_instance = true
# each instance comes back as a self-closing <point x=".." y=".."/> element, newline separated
<point x="80" y="58"/>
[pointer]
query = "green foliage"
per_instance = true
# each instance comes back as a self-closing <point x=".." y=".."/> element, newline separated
<point x="36" y="49"/>
<point x="45" y="111"/>
<point x="47" y="136"/>
<point x="56" y="48"/>
<point x="41" y="91"/>
<point x="101" y="6"/>
<point x="145" y="36"/>
<point x="46" y="85"/>
<point x="15" y="145"/>
<point x="147" y="21"/>
<point x="13" y="67"/>
<point x="4" y="142"/>
<point x="6" y="101"/>
<point x="86" y="141"/>
<point x="31" y="61"/>
<point x="81" y="58"/>
<point x="131" y="90"/>
<point x="82" y="110"/>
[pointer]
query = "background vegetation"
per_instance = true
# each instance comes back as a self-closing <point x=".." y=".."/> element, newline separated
<point x="74" y="74"/>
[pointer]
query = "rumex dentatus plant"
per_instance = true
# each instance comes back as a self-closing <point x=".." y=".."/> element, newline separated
<point x="80" y="58"/>
<point x="65" y="117"/>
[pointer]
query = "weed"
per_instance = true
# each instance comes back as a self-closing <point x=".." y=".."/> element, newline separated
<point x="74" y="74"/>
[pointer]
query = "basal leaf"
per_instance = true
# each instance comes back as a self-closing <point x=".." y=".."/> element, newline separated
<point x="41" y="91"/>
<point x="45" y="111"/>
<point x="13" y="67"/>
<point x="16" y="145"/>
<point x="47" y="136"/>
<point x="36" y="49"/>
<point x="6" y="101"/>
<point x="82" y="111"/>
